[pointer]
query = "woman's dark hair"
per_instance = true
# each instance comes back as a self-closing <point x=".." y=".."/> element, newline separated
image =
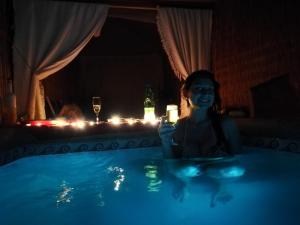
<point x="214" y="111"/>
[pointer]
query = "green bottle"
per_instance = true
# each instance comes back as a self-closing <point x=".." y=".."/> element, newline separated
<point x="149" y="104"/>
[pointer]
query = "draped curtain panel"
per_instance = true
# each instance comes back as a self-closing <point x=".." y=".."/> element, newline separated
<point x="186" y="38"/>
<point x="48" y="36"/>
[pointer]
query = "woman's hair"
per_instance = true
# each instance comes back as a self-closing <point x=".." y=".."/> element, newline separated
<point x="203" y="74"/>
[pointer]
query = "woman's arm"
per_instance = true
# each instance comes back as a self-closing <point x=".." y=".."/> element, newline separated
<point x="232" y="135"/>
<point x="165" y="132"/>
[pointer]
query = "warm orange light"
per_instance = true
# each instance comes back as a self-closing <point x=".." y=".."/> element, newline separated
<point x="154" y="122"/>
<point x="172" y="113"/>
<point x="80" y="124"/>
<point x="115" y="120"/>
<point x="130" y="121"/>
<point x="60" y="123"/>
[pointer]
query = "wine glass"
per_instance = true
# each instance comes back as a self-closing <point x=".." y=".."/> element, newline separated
<point x="96" y="101"/>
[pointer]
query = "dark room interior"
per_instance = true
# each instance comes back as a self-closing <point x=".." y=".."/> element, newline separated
<point x="246" y="51"/>
<point x="127" y="53"/>
<point x="145" y="112"/>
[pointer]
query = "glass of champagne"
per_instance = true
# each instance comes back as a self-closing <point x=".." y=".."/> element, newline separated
<point x="96" y="101"/>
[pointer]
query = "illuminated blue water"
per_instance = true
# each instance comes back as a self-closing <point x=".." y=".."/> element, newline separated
<point x="133" y="187"/>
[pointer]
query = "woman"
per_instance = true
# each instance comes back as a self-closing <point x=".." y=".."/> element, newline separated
<point x="202" y="137"/>
<point x="204" y="133"/>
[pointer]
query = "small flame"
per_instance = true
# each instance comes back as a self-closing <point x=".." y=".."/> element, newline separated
<point x="115" y="120"/>
<point x="59" y="123"/>
<point x="130" y="121"/>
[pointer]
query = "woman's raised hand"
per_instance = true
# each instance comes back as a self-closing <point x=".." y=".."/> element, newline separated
<point x="165" y="129"/>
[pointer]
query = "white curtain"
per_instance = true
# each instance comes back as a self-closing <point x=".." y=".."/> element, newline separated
<point x="186" y="38"/>
<point x="48" y="36"/>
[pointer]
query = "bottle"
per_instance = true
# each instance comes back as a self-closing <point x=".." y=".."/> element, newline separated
<point x="149" y="104"/>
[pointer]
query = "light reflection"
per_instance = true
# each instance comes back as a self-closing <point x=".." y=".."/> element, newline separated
<point x="100" y="201"/>
<point x="65" y="195"/>
<point x="234" y="171"/>
<point x="226" y="172"/>
<point x="151" y="171"/>
<point x="120" y="178"/>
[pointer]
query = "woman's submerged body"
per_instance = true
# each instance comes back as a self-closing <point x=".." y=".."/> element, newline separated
<point x="204" y="134"/>
<point x="203" y="139"/>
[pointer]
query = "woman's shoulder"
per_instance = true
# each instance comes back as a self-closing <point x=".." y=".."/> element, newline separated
<point x="227" y="122"/>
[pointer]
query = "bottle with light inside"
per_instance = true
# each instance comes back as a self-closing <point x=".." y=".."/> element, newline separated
<point x="149" y="104"/>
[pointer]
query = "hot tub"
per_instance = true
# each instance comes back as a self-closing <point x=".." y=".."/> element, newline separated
<point x="133" y="186"/>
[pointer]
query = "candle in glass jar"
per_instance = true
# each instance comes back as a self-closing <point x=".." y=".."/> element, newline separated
<point x="172" y="113"/>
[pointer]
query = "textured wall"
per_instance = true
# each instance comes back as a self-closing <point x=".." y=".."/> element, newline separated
<point x="254" y="41"/>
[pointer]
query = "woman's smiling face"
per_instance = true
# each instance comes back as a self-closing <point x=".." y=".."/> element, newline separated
<point x="202" y="93"/>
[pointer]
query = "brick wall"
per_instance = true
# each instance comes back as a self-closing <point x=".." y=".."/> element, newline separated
<point x="254" y="41"/>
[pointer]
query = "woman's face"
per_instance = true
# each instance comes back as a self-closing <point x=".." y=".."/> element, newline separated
<point x="201" y="93"/>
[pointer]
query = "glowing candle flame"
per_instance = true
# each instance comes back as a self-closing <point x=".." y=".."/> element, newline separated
<point x="115" y="120"/>
<point x="130" y="121"/>
<point x="172" y="113"/>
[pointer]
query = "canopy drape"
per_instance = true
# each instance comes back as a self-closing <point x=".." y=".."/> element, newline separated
<point x="186" y="38"/>
<point x="48" y="36"/>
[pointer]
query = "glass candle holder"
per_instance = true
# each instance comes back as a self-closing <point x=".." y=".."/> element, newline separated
<point x="172" y="113"/>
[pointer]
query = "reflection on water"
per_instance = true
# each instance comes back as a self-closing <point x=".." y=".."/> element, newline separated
<point x="151" y="172"/>
<point x="119" y="176"/>
<point x="100" y="200"/>
<point x="65" y="195"/>
<point x="134" y="187"/>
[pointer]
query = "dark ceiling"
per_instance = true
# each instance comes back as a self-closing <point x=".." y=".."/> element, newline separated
<point x="151" y="5"/>
<point x="145" y="11"/>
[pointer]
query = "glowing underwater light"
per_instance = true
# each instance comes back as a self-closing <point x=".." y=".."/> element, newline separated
<point x="233" y="171"/>
<point x="189" y="171"/>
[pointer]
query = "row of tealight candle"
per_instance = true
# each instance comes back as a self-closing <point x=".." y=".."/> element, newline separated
<point x="172" y="116"/>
